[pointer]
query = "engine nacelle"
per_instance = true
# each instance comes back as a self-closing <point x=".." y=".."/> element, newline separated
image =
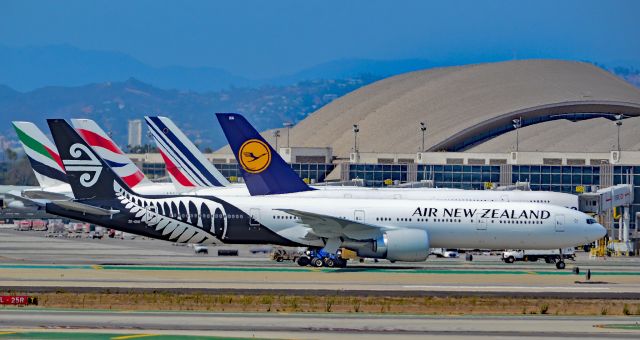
<point x="410" y="245"/>
<point x="15" y="204"/>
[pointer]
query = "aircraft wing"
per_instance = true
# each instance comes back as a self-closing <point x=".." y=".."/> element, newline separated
<point x="46" y="195"/>
<point x="85" y="208"/>
<point x="335" y="227"/>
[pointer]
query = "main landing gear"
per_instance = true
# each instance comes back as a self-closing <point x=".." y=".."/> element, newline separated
<point x="318" y="258"/>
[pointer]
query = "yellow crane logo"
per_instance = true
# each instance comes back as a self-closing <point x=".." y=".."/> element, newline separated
<point x="254" y="156"/>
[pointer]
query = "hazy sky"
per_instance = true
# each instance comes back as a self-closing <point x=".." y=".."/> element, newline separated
<point x="267" y="38"/>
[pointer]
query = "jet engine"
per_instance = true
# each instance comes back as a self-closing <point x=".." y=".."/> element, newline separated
<point x="410" y="245"/>
<point x="15" y="204"/>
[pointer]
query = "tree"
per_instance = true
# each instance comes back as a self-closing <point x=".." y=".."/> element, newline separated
<point x="10" y="154"/>
<point x="20" y="173"/>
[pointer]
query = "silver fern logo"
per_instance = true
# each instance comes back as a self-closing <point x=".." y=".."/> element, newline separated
<point x="163" y="215"/>
<point x="91" y="167"/>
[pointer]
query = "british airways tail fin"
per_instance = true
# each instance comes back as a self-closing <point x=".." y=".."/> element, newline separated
<point x="110" y="152"/>
<point x="186" y="165"/>
<point x="42" y="153"/>
<point x="89" y="175"/>
<point x="264" y="171"/>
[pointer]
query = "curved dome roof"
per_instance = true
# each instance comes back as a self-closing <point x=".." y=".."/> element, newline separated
<point x="467" y="99"/>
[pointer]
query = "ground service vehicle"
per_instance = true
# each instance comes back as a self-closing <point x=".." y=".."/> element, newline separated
<point x="533" y="255"/>
<point x="446" y="253"/>
<point x="281" y="254"/>
<point x="200" y="249"/>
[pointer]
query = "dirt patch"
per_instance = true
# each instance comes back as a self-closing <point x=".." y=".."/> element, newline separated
<point x="339" y="304"/>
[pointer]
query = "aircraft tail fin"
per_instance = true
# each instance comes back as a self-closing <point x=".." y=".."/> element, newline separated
<point x="110" y="152"/>
<point x="186" y="165"/>
<point x="88" y="174"/>
<point x="42" y="153"/>
<point x="264" y="171"/>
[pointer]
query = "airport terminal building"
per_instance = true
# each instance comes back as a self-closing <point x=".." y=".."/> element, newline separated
<point x="540" y="124"/>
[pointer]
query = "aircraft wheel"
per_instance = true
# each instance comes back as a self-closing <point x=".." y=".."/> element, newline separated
<point x="560" y="265"/>
<point x="303" y="261"/>
<point x="317" y="262"/>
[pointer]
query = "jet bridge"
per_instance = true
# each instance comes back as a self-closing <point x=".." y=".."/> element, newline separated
<point x="609" y="204"/>
<point x="606" y="199"/>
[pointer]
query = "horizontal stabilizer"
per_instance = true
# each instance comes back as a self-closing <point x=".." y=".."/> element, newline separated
<point x="84" y="208"/>
<point x="45" y="195"/>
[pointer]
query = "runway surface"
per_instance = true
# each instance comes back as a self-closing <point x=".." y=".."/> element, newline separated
<point x="321" y="326"/>
<point x="30" y="261"/>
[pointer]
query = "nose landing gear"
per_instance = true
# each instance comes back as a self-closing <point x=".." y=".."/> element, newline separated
<point x="560" y="264"/>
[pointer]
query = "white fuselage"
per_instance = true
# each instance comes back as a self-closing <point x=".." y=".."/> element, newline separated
<point x="554" y="198"/>
<point x="459" y="224"/>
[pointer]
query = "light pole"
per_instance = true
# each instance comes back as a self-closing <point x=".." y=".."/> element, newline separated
<point x="517" y="123"/>
<point x="618" y="124"/>
<point x="288" y="125"/>
<point x="276" y="134"/>
<point x="423" y="128"/>
<point x="356" y="129"/>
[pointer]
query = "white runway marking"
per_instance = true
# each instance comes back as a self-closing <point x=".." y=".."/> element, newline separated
<point x="504" y="287"/>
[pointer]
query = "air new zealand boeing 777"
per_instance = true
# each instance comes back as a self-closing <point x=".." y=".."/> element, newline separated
<point x="394" y="229"/>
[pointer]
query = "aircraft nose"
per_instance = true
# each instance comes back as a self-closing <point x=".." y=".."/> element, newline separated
<point x="596" y="232"/>
<point x="601" y="231"/>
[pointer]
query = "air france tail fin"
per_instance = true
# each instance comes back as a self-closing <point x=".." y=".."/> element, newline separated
<point x="110" y="152"/>
<point x="42" y="153"/>
<point x="186" y="165"/>
<point x="264" y="171"/>
<point x="89" y="175"/>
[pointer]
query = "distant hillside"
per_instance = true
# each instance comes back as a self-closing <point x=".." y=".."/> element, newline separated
<point x="29" y="68"/>
<point x="111" y="104"/>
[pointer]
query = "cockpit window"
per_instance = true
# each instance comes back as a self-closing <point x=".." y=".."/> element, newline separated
<point x="591" y="221"/>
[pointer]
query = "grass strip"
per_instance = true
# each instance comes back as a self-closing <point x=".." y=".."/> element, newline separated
<point x="292" y="303"/>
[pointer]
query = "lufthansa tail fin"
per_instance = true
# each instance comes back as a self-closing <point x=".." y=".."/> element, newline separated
<point x="42" y="153"/>
<point x="88" y="174"/>
<point x="186" y="165"/>
<point x="264" y="171"/>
